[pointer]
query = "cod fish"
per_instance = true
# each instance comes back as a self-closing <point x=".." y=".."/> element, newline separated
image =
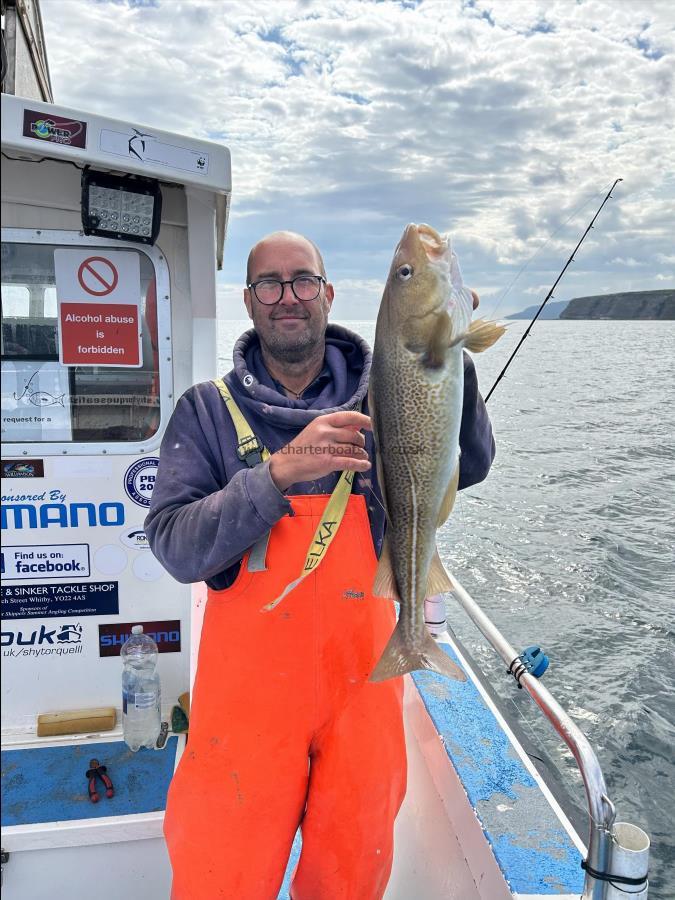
<point x="415" y="400"/>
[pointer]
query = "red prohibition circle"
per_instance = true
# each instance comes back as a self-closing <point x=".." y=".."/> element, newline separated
<point x="106" y="275"/>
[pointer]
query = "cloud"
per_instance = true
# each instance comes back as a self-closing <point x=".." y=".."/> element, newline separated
<point x="502" y="122"/>
<point x="632" y="263"/>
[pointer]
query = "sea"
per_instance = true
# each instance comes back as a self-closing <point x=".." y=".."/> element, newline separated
<point x="569" y="544"/>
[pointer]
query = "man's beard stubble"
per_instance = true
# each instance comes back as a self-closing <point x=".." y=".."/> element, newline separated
<point x="293" y="349"/>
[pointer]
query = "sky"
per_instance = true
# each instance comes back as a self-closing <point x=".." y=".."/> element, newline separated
<point x="501" y="122"/>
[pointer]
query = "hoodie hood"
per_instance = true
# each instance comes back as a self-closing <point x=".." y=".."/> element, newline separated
<point x="347" y="363"/>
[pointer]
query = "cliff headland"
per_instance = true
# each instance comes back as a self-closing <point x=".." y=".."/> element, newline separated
<point x="629" y="305"/>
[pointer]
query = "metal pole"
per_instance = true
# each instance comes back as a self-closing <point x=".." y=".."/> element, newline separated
<point x="600" y="808"/>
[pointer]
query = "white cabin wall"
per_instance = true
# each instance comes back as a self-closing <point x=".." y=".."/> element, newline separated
<point x="28" y="184"/>
<point x="201" y="207"/>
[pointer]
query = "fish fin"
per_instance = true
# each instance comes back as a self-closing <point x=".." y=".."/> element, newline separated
<point x="385" y="583"/>
<point x="438" y="581"/>
<point x="441" y="340"/>
<point x="398" y="659"/>
<point x="436" y="660"/>
<point x="449" y="499"/>
<point x="482" y="334"/>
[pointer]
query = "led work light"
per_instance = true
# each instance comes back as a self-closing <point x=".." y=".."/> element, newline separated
<point x="125" y="207"/>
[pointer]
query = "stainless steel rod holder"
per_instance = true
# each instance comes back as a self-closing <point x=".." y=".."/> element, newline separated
<point x="601" y="810"/>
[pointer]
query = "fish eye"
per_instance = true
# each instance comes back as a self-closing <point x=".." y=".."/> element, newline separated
<point x="404" y="272"/>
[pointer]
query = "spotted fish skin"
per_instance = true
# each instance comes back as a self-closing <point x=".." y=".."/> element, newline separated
<point x="416" y="395"/>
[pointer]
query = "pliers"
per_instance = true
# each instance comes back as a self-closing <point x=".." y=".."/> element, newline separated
<point x="97" y="770"/>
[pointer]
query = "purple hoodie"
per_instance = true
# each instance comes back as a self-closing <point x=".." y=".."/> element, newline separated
<point x="208" y="507"/>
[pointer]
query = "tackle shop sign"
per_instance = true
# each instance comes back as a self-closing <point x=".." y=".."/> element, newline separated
<point x="99" y="297"/>
<point x="43" y="601"/>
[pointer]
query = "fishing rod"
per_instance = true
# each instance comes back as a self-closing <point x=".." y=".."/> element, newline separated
<point x="550" y="293"/>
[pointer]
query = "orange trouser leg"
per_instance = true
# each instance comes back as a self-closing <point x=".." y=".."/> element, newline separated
<point x="239" y="792"/>
<point x="231" y="833"/>
<point x="357" y="785"/>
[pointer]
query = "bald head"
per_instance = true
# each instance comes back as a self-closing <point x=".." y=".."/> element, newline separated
<point x="280" y="239"/>
<point x="291" y="331"/>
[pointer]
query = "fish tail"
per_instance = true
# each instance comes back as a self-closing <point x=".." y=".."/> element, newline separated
<point x="398" y="659"/>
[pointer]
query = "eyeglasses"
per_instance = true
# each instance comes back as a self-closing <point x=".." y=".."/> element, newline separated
<point x="270" y="290"/>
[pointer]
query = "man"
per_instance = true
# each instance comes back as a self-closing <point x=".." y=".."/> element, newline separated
<point x="285" y="728"/>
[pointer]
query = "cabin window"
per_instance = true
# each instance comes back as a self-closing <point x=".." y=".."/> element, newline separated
<point x="57" y="338"/>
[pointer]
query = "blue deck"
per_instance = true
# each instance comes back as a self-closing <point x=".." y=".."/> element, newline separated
<point x="48" y="784"/>
<point x="534" y="852"/>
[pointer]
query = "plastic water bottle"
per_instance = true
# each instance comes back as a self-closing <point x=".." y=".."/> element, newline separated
<point x="141" y="692"/>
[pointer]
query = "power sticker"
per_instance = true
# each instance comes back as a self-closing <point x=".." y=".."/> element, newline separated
<point x="54" y="129"/>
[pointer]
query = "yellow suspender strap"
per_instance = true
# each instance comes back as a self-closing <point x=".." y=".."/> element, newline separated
<point x="249" y="448"/>
<point x="252" y="451"/>
<point x="324" y="534"/>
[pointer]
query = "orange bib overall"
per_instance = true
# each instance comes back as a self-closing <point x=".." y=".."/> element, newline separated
<point x="286" y="730"/>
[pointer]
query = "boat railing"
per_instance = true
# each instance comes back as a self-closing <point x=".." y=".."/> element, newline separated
<point x="616" y="860"/>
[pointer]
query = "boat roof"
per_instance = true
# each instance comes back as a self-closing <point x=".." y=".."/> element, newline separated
<point x="179" y="163"/>
<point x="32" y="129"/>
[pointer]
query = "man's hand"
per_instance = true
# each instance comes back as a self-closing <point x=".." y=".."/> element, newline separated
<point x="330" y="443"/>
